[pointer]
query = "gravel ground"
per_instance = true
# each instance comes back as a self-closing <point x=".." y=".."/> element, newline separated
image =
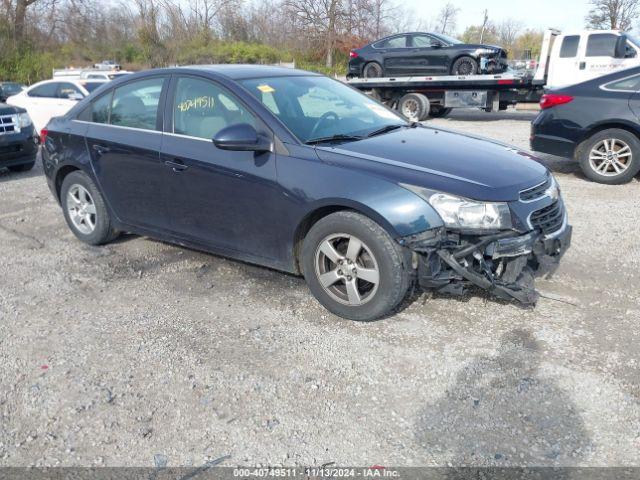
<point x="118" y="354"/>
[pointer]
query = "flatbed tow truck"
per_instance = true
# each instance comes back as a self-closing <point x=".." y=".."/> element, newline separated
<point x="564" y="59"/>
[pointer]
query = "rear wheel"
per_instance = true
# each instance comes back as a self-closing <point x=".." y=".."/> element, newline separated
<point x="464" y="66"/>
<point x="372" y="70"/>
<point x="611" y="156"/>
<point x="353" y="267"/>
<point x="85" y="211"/>
<point x="414" y="107"/>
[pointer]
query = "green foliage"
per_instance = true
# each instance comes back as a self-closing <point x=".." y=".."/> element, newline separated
<point x="27" y="66"/>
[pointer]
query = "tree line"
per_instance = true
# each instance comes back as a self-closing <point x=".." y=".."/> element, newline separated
<point x="39" y="35"/>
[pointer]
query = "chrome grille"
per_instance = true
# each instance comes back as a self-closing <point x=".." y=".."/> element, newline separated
<point x="548" y="219"/>
<point x="534" y="193"/>
<point x="9" y="124"/>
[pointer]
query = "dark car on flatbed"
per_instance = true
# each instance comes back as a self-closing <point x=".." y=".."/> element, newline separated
<point x="421" y="53"/>
<point x="301" y="173"/>
<point x="18" y="139"/>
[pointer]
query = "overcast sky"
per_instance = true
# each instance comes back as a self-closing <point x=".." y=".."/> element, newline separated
<point x="562" y="14"/>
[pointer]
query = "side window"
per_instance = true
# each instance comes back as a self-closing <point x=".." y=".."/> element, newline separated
<point x="67" y="89"/>
<point x="601" y="45"/>
<point x="423" y="41"/>
<point x="394" y="42"/>
<point x="48" y="90"/>
<point x="569" y="48"/>
<point x="630" y="84"/>
<point x="135" y="104"/>
<point x="201" y="109"/>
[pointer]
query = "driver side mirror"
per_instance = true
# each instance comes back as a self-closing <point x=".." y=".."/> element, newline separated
<point x="241" y="137"/>
<point x="75" y="96"/>
<point x="437" y="44"/>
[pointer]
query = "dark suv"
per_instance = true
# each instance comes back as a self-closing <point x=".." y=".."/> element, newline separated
<point x="301" y="173"/>
<point x="18" y="139"/>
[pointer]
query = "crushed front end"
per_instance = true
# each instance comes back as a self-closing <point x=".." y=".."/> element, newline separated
<point x="504" y="263"/>
<point x="493" y="60"/>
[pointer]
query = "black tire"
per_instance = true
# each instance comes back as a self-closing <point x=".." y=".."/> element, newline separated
<point x="438" y="111"/>
<point x="372" y="70"/>
<point x="609" y="176"/>
<point x="103" y="232"/>
<point x="465" y="66"/>
<point x="414" y="107"/>
<point x="393" y="266"/>
<point x="25" y="167"/>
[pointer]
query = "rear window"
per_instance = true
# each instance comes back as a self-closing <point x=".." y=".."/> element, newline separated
<point x="602" y="45"/>
<point x="91" y="86"/>
<point x="569" y="48"/>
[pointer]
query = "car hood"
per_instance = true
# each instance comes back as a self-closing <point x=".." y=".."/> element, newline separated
<point x="10" y="110"/>
<point x="443" y="160"/>
<point x="480" y="45"/>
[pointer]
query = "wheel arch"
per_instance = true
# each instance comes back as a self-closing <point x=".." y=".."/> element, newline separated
<point x="61" y="174"/>
<point x="321" y="211"/>
<point x="607" y="125"/>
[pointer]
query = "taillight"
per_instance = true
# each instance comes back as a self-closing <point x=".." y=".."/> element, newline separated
<point x="43" y="135"/>
<point x="549" y="100"/>
<point x="353" y="54"/>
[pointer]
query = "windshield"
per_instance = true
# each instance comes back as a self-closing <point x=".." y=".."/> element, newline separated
<point x="633" y="40"/>
<point x="319" y="107"/>
<point x="11" y="88"/>
<point x="448" y="39"/>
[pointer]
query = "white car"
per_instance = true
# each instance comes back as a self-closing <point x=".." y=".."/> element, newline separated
<point x="52" y="98"/>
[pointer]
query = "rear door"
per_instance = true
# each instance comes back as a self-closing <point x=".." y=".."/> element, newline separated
<point x="124" y="139"/>
<point x="40" y="102"/>
<point x="599" y="57"/>
<point x="395" y="53"/>
<point x="428" y="55"/>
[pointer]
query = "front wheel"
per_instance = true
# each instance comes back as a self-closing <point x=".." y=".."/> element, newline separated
<point x="353" y="267"/>
<point x="464" y="66"/>
<point x="611" y="156"/>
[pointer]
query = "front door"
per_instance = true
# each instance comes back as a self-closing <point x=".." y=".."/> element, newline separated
<point x="428" y="55"/>
<point x="221" y="198"/>
<point x="124" y="141"/>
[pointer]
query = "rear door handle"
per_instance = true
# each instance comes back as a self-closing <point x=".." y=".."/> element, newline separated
<point x="176" y="165"/>
<point x="101" y="149"/>
<point x="583" y="65"/>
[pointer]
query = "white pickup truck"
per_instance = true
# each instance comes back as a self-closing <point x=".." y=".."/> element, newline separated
<point x="565" y="59"/>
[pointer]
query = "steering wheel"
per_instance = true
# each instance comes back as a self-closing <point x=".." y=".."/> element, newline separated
<point x="325" y="116"/>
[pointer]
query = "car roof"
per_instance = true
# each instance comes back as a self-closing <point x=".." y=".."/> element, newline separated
<point x="242" y="72"/>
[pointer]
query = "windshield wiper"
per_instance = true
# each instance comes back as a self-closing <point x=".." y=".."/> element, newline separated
<point x="333" y="138"/>
<point x="390" y="128"/>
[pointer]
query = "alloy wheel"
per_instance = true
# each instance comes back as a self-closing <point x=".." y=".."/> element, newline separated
<point x="347" y="269"/>
<point x="610" y="157"/>
<point x="81" y="209"/>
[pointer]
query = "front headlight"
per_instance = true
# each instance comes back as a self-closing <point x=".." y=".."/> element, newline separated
<point x="24" y="120"/>
<point x="486" y="51"/>
<point x="465" y="214"/>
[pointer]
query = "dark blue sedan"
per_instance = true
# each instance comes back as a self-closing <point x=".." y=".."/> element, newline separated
<point x="301" y="173"/>
<point x="596" y="123"/>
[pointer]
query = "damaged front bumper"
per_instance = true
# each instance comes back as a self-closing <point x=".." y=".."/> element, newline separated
<point x="504" y="264"/>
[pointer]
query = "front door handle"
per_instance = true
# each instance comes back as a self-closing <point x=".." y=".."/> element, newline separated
<point x="101" y="149"/>
<point x="583" y="65"/>
<point x="176" y="165"/>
